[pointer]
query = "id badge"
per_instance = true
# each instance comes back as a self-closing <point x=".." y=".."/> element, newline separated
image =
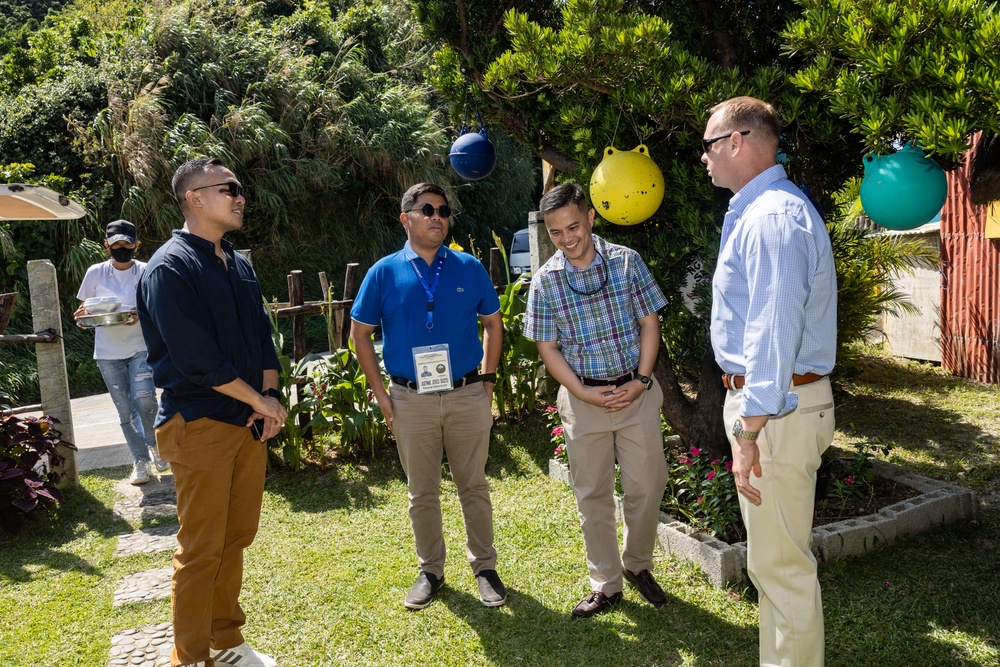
<point x="433" y="368"/>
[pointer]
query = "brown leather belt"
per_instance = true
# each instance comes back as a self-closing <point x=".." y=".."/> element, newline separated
<point x="732" y="382"/>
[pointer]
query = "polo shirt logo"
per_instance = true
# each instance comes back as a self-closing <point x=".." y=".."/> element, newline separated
<point x="461" y="289"/>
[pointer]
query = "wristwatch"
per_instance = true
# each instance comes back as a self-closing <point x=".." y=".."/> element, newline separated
<point x="272" y="392"/>
<point x="646" y="381"/>
<point x="738" y="431"/>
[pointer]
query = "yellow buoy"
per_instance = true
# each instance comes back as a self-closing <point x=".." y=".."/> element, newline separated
<point x="627" y="187"/>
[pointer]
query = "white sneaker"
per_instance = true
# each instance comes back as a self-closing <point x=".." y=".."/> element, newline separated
<point x="158" y="463"/>
<point x="140" y="473"/>
<point x="241" y="656"/>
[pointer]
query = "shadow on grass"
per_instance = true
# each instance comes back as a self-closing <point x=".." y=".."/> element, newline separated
<point x="39" y="547"/>
<point x="944" y="436"/>
<point x="526" y="632"/>
<point x="351" y="484"/>
<point x="929" y="600"/>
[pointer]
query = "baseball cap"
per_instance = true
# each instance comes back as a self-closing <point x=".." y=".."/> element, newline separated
<point x="121" y="230"/>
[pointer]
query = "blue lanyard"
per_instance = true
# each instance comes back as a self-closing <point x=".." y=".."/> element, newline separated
<point x="429" y="289"/>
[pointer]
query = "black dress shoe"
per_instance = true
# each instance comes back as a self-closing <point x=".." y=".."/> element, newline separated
<point x="647" y="587"/>
<point x="596" y="603"/>
<point x="423" y="590"/>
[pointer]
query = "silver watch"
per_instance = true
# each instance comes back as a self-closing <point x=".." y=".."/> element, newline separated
<point x="738" y="431"/>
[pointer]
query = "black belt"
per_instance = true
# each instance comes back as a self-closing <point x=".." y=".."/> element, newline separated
<point x="610" y="382"/>
<point x="468" y="378"/>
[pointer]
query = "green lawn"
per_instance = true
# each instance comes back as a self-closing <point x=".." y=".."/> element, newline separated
<point x="326" y="577"/>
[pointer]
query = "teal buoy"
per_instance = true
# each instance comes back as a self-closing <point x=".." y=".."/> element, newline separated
<point x="903" y="190"/>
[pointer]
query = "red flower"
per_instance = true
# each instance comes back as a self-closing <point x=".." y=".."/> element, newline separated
<point x="695" y="451"/>
<point x="714" y="461"/>
<point x="701" y="498"/>
<point x="711" y="474"/>
<point x="848" y="480"/>
<point x="685" y="460"/>
<point x="729" y="466"/>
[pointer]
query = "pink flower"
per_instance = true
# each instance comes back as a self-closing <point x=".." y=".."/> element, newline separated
<point x="711" y="474"/>
<point x="729" y="466"/>
<point x="714" y="461"/>
<point x="685" y="460"/>
<point x="701" y="498"/>
<point x="560" y="449"/>
<point x="550" y="408"/>
<point x="557" y="431"/>
<point x="695" y="451"/>
<point x="849" y="480"/>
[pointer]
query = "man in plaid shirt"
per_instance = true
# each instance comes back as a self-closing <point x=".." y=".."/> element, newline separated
<point x="592" y="311"/>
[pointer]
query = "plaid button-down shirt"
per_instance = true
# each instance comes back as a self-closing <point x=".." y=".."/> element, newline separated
<point x="598" y="333"/>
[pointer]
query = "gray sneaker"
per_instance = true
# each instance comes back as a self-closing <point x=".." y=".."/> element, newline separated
<point x="158" y="463"/>
<point x="423" y="590"/>
<point x="140" y="473"/>
<point x="491" y="590"/>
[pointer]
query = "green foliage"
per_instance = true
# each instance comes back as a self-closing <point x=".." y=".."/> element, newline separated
<point x="518" y="371"/>
<point x="338" y="393"/>
<point x="702" y="491"/>
<point x="918" y="70"/>
<point x="866" y="263"/>
<point x="850" y="475"/>
<point x="557" y="434"/>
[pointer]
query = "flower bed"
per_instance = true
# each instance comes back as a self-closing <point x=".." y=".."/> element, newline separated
<point x="936" y="503"/>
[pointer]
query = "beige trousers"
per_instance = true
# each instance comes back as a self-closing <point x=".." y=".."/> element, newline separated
<point x="779" y="530"/>
<point x="218" y="472"/>
<point x="429" y="426"/>
<point x="595" y="439"/>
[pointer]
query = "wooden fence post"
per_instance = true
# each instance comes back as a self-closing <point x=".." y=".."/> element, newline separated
<point x="350" y="291"/>
<point x="53" y="381"/>
<point x="497" y="276"/>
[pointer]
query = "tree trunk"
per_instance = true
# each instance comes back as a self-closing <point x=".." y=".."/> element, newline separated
<point x="698" y="422"/>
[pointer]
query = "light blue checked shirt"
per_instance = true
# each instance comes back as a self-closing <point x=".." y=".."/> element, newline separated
<point x="774" y="293"/>
<point x="599" y="334"/>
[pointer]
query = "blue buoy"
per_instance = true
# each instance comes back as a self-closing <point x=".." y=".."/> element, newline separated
<point x="473" y="155"/>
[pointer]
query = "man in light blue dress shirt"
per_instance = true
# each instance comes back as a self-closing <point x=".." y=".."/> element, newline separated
<point x="774" y="333"/>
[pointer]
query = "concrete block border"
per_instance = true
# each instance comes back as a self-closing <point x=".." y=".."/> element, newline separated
<point x="937" y="503"/>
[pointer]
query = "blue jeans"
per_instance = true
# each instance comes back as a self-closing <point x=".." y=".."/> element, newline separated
<point x="130" y="382"/>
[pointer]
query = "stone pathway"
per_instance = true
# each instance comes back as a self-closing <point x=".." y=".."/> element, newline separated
<point x="148" y="646"/>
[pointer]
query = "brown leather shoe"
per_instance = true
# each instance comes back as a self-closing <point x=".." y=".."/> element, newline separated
<point x="647" y="587"/>
<point x="596" y="603"/>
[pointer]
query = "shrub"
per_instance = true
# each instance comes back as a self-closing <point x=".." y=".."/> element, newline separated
<point x="28" y="454"/>
<point x="702" y="491"/>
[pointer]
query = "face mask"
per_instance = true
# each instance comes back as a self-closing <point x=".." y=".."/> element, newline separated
<point x="123" y="255"/>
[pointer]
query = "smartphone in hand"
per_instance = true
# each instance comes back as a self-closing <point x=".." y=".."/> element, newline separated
<point x="257" y="429"/>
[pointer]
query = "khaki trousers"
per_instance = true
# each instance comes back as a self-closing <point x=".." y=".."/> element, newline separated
<point x="429" y="426"/>
<point x="219" y="475"/>
<point x="779" y="530"/>
<point x="595" y="439"/>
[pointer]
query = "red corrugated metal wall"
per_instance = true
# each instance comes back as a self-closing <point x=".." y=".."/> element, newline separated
<point x="970" y="286"/>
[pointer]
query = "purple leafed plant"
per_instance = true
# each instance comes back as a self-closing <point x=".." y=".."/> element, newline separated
<point x="29" y="452"/>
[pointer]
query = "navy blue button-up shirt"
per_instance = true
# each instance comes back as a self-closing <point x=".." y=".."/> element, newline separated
<point x="205" y="325"/>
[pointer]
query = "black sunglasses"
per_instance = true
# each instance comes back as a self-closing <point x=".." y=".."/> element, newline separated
<point x="235" y="189"/>
<point x="428" y="210"/>
<point x="708" y="142"/>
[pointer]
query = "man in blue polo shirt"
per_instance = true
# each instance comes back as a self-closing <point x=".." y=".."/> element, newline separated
<point x="209" y="342"/>
<point x="429" y="301"/>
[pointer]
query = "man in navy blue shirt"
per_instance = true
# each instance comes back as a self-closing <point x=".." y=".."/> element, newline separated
<point x="209" y="342"/>
<point x="429" y="301"/>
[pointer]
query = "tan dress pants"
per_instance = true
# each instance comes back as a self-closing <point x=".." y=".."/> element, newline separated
<point x="595" y="439"/>
<point x="429" y="426"/>
<point x="219" y="476"/>
<point x="779" y="530"/>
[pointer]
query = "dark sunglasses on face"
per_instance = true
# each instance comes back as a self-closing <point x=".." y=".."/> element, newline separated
<point x="428" y="210"/>
<point x="708" y="142"/>
<point x="235" y="189"/>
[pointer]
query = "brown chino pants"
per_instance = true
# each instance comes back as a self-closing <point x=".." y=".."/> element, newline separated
<point x="219" y="476"/>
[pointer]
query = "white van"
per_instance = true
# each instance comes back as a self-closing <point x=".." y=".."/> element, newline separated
<point x="520" y="254"/>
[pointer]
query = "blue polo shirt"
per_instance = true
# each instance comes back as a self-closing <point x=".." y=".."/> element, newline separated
<point x="392" y="296"/>
<point x="205" y="325"/>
